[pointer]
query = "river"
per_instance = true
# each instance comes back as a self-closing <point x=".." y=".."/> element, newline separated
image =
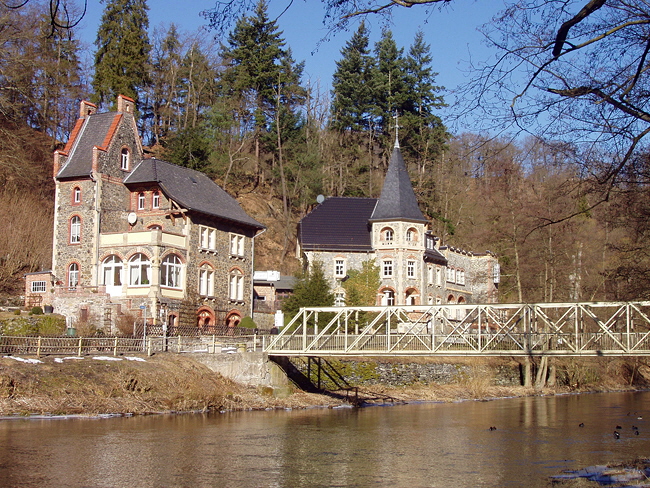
<point x="416" y="445"/>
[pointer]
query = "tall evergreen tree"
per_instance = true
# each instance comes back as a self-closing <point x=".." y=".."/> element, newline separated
<point x="390" y="84"/>
<point x="263" y="78"/>
<point x="122" y="58"/>
<point x="351" y="85"/>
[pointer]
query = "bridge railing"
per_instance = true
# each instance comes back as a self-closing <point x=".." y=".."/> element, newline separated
<point x="585" y="328"/>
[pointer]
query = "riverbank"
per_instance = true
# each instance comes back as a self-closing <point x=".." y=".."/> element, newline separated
<point x="178" y="383"/>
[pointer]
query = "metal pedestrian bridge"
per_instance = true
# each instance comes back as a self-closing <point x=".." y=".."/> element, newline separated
<point x="540" y="329"/>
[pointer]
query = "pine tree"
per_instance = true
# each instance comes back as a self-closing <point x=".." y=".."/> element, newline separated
<point x="311" y="290"/>
<point x="390" y="86"/>
<point x="122" y="57"/>
<point x="351" y="85"/>
<point x="425" y="129"/>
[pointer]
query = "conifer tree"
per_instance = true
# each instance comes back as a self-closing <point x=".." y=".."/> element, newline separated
<point x="424" y="131"/>
<point x="253" y="59"/>
<point x="352" y="85"/>
<point x="390" y="86"/>
<point x="122" y="58"/>
<point x="311" y="290"/>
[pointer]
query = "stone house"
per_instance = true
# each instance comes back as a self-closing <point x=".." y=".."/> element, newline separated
<point x="142" y="237"/>
<point x="341" y="233"/>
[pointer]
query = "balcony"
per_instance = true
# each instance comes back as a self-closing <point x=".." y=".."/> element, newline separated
<point x="149" y="237"/>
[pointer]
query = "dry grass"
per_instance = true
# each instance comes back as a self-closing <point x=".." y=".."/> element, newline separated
<point x="163" y="383"/>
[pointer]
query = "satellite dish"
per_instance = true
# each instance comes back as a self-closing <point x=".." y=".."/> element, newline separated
<point x="132" y="218"/>
<point x="320" y="199"/>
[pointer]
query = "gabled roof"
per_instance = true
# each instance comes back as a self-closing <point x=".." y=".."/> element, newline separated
<point x="191" y="190"/>
<point x="338" y="224"/>
<point x="95" y="130"/>
<point x="397" y="200"/>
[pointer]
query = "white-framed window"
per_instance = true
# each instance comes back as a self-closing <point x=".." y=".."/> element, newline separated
<point x="208" y="237"/>
<point x="339" y="299"/>
<point x="206" y="281"/>
<point x="451" y="275"/>
<point x="75" y="230"/>
<point x="155" y="200"/>
<point x="73" y="276"/>
<point x="430" y="278"/>
<point x="170" y="270"/>
<point x="112" y="271"/>
<point x="141" y="199"/>
<point x="460" y="276"/>
<point x="139" y="270"/>
<point x="124" y="160"/>
<point x="76" y="195"/>
<point x="388" y="299"/>
<point x="496" y="273"/>
<point x="388" y="234"/>
<point x="339" y="268"/>
<point x="438" y="276"/>
<point x="410" y="269"/>
<point x="38" y="286"/>
<point x="236" y="245"/>
<point x="387" y="268"/>
<point x="236" y="292"/>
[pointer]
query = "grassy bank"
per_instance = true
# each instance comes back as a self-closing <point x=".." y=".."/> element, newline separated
<point x="161" y="383"/>
<point x="169" y="382"/>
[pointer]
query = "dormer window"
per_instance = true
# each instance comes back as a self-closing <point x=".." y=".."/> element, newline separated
<point x="125" y="157"/>
<point x="140" y="201"/>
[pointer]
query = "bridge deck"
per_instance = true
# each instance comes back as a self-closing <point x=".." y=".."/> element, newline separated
<point x="543" y="329"/>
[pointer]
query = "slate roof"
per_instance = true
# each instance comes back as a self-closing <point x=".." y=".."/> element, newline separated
<point x="191" y="190"/>
<point x="338" y="224"/>
<point x="284" y="283"/>
<point x="397" y="200"/>
<point x="95" y="131"/>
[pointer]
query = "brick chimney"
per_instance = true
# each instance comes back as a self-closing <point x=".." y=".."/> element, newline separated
<point x="86" y="108"/>
<point x="125" y="104"/>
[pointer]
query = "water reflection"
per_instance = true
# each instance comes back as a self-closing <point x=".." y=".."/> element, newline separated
<point x="426" y="445"/>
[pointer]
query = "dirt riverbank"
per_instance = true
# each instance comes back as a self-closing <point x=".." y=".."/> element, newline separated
<point x="178" y="383"/>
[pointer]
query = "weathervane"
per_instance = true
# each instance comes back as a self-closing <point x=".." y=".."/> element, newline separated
<point x="396" y="117"/>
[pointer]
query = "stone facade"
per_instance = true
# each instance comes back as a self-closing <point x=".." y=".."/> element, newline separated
<point x="126" y="244"/>
<point x="341" y="233"/>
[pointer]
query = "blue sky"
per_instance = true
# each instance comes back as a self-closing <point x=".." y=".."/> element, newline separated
<point x="451" y="32"/>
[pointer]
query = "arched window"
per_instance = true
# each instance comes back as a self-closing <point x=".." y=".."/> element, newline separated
<point x="171" y="271"/>
<point x="206" y="280"/>
<point x="387" y="234"/>
<point x="236" y="285"/>
<point x="389" y="298"/>
<point x="76" y="195"/>
<point x="411" y="235"/>
<point x="75" y="230"/>
<point x="155" y="200"/>
<point x="73" y="276"/>
<point x="125" y="159"/>
<point x="411" y="296"/>
<point x="139" y="270"/>
<point x="112" y="271"/>
<point x="141" y="201"/>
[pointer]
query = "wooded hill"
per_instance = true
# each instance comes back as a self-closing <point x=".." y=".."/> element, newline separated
<point x="241" y="112"/>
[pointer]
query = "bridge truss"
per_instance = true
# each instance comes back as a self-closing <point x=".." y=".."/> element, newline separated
<point x="541" y="329"/>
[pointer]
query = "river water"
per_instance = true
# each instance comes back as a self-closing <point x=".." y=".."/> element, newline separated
<point x="416" y="445"/>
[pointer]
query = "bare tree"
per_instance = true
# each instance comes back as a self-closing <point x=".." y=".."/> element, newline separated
<point x="570" y="71"/>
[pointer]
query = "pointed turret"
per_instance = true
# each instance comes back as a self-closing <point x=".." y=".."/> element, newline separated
<point x="397" y="200"/>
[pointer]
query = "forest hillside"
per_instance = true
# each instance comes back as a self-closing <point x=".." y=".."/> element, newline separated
<point x="565" y="227"/>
